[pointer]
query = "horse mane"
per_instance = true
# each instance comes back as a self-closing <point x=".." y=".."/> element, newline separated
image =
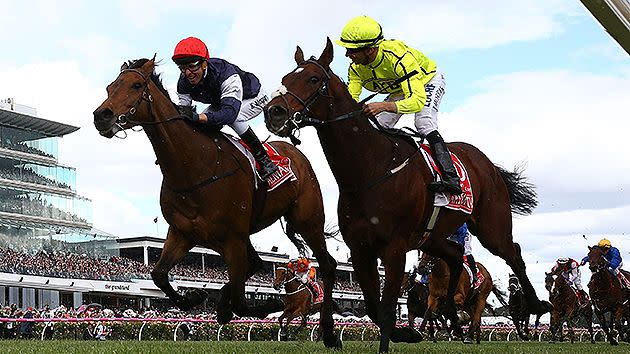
<point x="156" y="78"/>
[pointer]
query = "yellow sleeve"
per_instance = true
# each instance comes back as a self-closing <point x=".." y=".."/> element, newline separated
<point x="412" y="88"/>
<point x="354" y="83"/>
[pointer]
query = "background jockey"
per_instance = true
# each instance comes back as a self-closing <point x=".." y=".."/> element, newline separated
<point x="570" y="270"/>
<point x="463" y="237"/>
<point x="234" y="96"/>
<point x="613" y="256"/>
<point x="305" y="273"/>
<point x="375" y="63"/>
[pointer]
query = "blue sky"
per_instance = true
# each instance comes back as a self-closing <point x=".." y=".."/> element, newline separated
<point x="538" y="82"/>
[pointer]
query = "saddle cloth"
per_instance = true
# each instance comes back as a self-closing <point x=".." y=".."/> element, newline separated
<point x="320" y="293"/>
<point x="285" y="173"/>
<point x="480" y="277"/>
<point x="463" y="201"/>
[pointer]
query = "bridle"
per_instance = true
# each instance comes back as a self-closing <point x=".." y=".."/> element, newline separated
<point x="125" y="118"/>
<point x="286" y="281"/>
<point x="304" y="117"/>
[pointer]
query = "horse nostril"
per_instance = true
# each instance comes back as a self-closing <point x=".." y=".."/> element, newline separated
<point x="277" y="113"/>
<point x="103" y="114"/>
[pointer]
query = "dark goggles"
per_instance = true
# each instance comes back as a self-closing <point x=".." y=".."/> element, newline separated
<point x="194" y="66"/>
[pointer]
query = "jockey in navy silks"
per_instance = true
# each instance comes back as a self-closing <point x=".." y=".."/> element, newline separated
<point x="234" y="96"/>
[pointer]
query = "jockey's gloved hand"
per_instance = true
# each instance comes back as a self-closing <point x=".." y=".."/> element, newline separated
<point x="189" y="112"/>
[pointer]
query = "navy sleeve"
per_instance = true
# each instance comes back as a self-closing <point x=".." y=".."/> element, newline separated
<point x="226" y="114"/>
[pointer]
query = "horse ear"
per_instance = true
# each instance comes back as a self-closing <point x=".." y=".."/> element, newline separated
<point x="124" y="66"/>
<point x="299" y="55"/>
<point x="547" y="273"/>
<point x="327" y="55"/>
<point x="149" y="65"/>
<point x="590" y="248"/>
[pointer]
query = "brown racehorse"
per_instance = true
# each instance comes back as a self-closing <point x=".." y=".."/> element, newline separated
<point x="606" y="294"/>
<point x="417" y="297"/>
<point x="298" y="301"/>
<point x="566" y="307"/>
<point x="384" y="205"/>
<point x="470" y="303"/>
<point x="208" y="196"/>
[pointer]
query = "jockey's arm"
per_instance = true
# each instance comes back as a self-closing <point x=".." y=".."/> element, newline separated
<point x="231" y="99"/>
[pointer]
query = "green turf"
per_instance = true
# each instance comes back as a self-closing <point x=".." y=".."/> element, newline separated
<point x="34" y="346"/>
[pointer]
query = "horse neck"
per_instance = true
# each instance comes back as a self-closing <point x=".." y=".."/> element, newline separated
<point x="346" y="142"/>
<point x="178" y="147"/>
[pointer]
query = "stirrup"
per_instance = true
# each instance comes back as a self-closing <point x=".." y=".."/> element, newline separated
<point x="441" y="186"/>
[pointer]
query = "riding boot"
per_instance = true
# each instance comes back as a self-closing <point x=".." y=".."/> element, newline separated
<point x="311" y="287"/>
<point x="450" y="179"/>
<point x="473" y="267"/>
<point x="267" y="168"/>
<point x="582" y="297"/>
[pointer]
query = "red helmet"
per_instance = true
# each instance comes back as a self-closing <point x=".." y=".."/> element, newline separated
<point x="190" y="47"/>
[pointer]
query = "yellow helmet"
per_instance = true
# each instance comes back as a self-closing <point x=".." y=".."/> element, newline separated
<point x="604" y="243"/>
<point x="361" y="32"/>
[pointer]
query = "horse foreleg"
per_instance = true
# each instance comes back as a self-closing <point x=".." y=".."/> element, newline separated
<point x="234" y="252"/>
<point x="283" y="328"/>
<point x="327" y="268"/>
<point x="175" y="249"/>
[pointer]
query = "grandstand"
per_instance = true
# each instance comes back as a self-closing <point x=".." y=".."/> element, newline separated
<point x="51" y="255"/>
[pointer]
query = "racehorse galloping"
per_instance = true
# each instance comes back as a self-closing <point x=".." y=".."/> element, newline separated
<point x="566" y="307"/>
<point x="208" y="195"/>
<point x="471" y="302"/>
<point x="298" y="300"/>
<point x="517" y="307"/>
<point x="606" y="294"/>
<point x="384" y="204"/>
<point x="417" y="295"/>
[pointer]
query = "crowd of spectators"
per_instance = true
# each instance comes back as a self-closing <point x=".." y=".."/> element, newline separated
<point x="65" y="264"/>
<point x="24" y="204"/>
<point x="10" y="144"/>
<point x="30" y="176"/>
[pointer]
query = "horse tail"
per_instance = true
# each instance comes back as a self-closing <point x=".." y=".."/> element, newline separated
<point x="500" y="295"/>
<point x="295" y="238"/>
<point x="523" y="198"/>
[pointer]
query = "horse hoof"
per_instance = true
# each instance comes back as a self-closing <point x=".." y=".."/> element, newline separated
<point x="195" y="297"/>
<point x="467" y="340"/>
<point x="224" y="316"/>
<point x="333" y="342"/>
<point x="284" y="337"/>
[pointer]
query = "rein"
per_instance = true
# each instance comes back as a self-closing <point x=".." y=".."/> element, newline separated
<point x="124" y="118"/>
<point x="284" y="283"/>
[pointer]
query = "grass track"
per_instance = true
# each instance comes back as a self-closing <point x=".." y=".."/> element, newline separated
<point x="157" y="347"/>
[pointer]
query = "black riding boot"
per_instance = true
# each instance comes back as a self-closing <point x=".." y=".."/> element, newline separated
<point x="473" y="267"/>
<point x="311" y="287"/>
<point x="267" y="168"/>
<point x="450" y="179"/>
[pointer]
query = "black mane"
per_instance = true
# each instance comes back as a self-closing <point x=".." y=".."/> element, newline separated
<point x="157" y="80"/>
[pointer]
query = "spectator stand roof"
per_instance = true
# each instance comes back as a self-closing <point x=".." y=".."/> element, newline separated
<point x="27" y="122"/>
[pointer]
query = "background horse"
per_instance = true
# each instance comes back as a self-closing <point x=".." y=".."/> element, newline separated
<point x="209" y="198"/>
<point x="297" y="302"/>
<point x="566" y="307"/>
<point x="384" y="205"/>
<point x="606" y="294"/>
<point x="517" y="308"/>
<point x="468" y="300"/>
<point x="417" y="296"/>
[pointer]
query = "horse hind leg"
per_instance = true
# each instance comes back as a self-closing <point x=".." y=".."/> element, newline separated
<point x="307" y="220"/>
<point x="495" y="234"/>
<point x="175" y="249"/>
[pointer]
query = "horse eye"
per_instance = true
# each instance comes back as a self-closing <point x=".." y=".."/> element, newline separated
<point x="136" y="86"/>
<point x="314" y="79"/>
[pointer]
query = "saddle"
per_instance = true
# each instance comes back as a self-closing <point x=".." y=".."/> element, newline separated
<point x="480" y="276"/>
<point x="319" y="296"/>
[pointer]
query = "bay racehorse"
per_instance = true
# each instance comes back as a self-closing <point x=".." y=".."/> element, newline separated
<point x="517" y="308"/>
<point x="384" y="205"/>
<point x="208" y="195"/>
<point x="566" y="307"/>
<point x="417" y="298"/>
<point x="470" y="302"/>
<point x="298" y="301"/>
<point x="607" y="295"/>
